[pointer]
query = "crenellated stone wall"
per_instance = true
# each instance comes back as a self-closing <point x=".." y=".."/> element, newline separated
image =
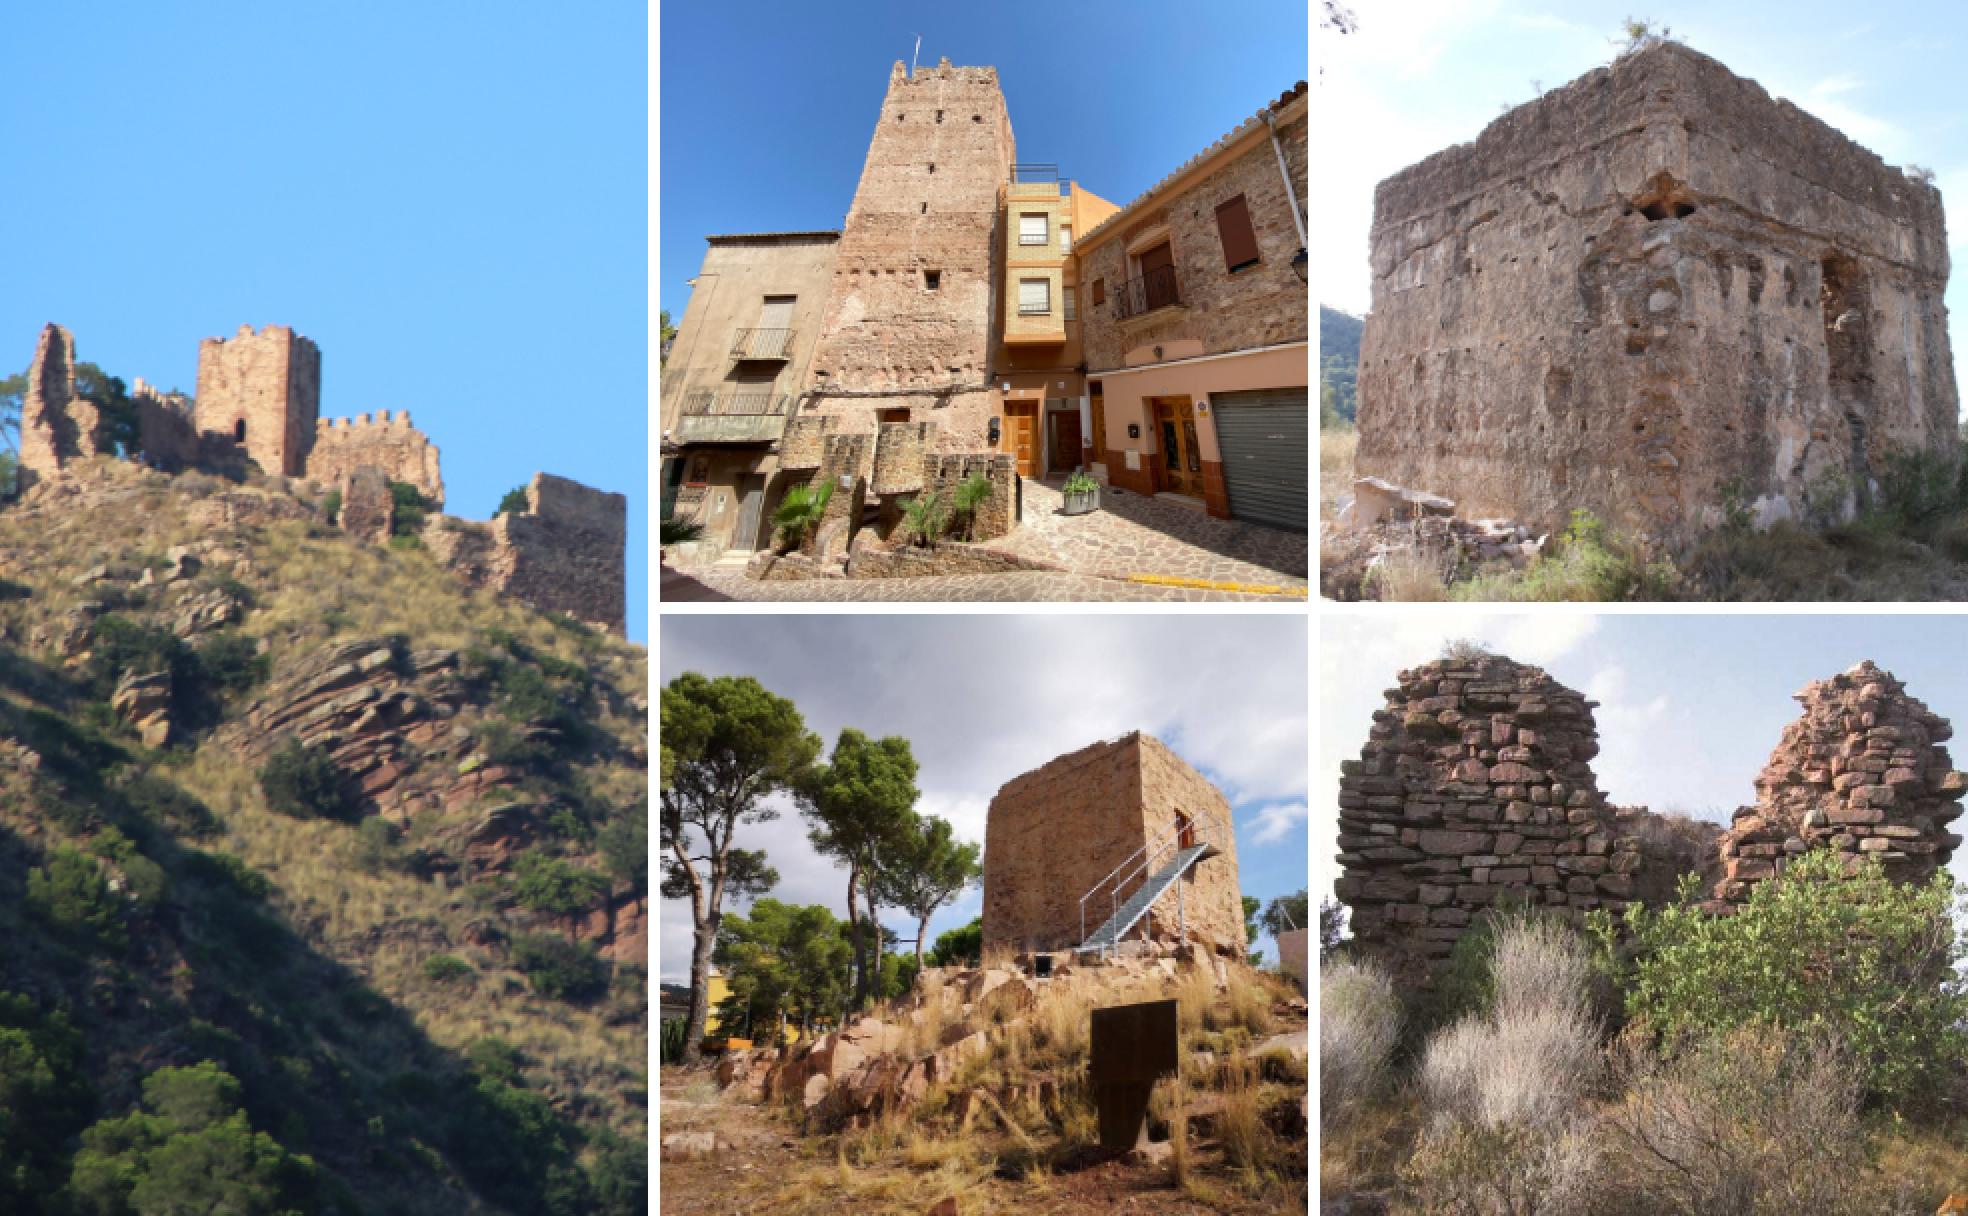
<point x="263" y="389"/>
<point x="387" y="443"/>
<point x="1475" y="788"/>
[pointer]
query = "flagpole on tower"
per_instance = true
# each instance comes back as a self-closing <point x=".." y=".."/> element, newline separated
<point x="913" y="54"/>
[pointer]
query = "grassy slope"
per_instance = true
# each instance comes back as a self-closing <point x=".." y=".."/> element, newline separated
<point x="340" y="989"/>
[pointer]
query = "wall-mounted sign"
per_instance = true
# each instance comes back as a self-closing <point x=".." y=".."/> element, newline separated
<point x="1134" y="430"/>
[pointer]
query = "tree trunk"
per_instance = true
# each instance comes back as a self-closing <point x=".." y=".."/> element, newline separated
<point x="854" y="936"/>
<point x="700" y="988"/>
<point x="922" y="930"/>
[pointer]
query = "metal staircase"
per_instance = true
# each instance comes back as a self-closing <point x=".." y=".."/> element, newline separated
<point x="1139" y="882"/>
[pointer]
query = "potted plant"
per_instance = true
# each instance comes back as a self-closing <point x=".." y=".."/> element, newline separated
<point x="1082" y="494"/>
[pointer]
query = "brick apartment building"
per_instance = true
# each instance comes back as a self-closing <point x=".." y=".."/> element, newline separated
<point x="971" y="306"/>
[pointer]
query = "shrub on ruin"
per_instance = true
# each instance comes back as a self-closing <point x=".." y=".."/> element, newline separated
<point x="304" y="782"/>
<point x="1586" y="563"/>
<point x="513" y="502"/>
<point x="1853" y="953"/>
<point x="1359" y="1024"/>
<point x="560" y="968"/>
<point x="408" y="509"/>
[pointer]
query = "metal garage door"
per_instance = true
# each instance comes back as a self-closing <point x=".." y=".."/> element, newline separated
<point x="1262" y="436"/>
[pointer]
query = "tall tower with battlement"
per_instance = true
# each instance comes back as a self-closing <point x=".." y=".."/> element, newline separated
<point x="908" y="326"/>
<point x="263" y="390"/>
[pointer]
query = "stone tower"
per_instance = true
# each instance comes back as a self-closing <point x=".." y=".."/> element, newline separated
<point x="57" y="427"/>
<point x="262" y="390"/>
<point x="1646" y="293"/>
<point x="1055" y="833"/>
<point x="908" y="326"/>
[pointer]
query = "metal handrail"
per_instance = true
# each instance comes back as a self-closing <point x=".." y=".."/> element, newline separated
<point x="713" y="402"/>
<point x="1148" y="854"/>
<point x="1156" y="289"/>
<point x="762" y="344"/>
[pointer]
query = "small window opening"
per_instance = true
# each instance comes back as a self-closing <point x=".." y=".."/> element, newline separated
<point x="898" y="118"/>
<point x="239" y="431"/>
<point x="932" y="279"/>
<point x="977" y="118"/>
<point x="925" y="209"/>
<point x="939" y="116"/>
<point x="932" y="166"/>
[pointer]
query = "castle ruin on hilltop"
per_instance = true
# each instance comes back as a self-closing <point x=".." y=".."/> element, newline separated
<point x="1655" y="293"/>
<point x="259" y="403"/>
<point x="1475" y="788"/>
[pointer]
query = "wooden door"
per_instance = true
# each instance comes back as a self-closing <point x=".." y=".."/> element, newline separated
<point x="746" y="536"/>
<point x="1020" y="436"/>
<point x="1182" y="460"/>
<point x="1066" y="447"/>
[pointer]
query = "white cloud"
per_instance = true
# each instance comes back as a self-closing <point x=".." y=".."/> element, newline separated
<point x="1275" y="822"/>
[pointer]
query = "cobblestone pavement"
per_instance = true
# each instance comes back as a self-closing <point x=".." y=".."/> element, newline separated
<point x="702" y="586"/>
<point x="1132" y="535"/>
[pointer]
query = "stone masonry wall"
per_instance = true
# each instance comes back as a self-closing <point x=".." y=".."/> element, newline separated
<point x="998" y="513"/>
<point x="565" y="553"/>
<point x="1475" y="784"/>
<point x="1649" y="290"/>
<point x="388" y="443"/>
<point x="1054" y="833"/>
<point x="1862" y="772"/>
<point x="926" y="202"/>
<point x="57" y="427"/>
<point x="269" y="381"/>
<point x="1261" y="305"/>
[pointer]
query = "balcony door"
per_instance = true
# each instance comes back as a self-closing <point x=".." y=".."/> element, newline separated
<point x="1157" y="277"/>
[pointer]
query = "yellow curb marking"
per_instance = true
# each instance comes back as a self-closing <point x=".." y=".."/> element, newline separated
<point x="1203" y="584"/>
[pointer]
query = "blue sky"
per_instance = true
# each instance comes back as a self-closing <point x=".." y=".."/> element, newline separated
<point x="1691" y="704"/>
<point x="1423" y="74"/>
<point x="450" y="199"/>
<point x="984" y="698"/>
<point x="768" y="107"/>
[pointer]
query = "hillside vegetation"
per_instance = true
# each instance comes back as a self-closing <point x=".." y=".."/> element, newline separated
<point x="322" y="877"/>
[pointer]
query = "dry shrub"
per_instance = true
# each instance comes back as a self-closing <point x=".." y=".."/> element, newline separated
<point x="1359" y="1024"/>
<point x="1755" y="1122"/>
<point x="1336" y="449"/>
<point x="1411" y="574"/>
<point x="1475" y="1169"/>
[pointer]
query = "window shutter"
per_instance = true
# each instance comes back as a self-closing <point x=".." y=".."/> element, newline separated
<point x="1032" y="229"/>
<point x="1234" y="226"/>
<point x="1034" y="296"/>
<point x="1065" y="238"/>
<point x="1070" y="297"/>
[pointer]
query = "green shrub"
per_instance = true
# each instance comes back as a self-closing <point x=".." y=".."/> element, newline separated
<point x="227" y="872"/>
<point x="801" y="510"/>
<point x="408" y="508"/>
<point x="376" y="847"/>
<point x="555" y="886"/>
<point x="120" y="646"/>
<point x="497" y="1059"/>
<point x="161" y="802"/>
<point x="303" y="781"/>
<point x="925" y="518"/>
<point x="231" y="662"/>
<point x="44" y="1100"/>
<point x="1584" y="563"/>
<point x="72" y="896"/>
<point x="624" y="846"/>
<point x="560" y="968"/>
<point x="513" y="502"/>
<point x="969" y="495"/>
<point x="331" y="507"/>
<point x="445" y="968"/>
<point x="1869" y="960"/>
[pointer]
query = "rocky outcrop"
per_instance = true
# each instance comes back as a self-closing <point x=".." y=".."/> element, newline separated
<point x="1863" y="773"/>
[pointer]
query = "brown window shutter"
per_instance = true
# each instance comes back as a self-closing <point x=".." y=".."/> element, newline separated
<point x="1234" y="226"/>
<point x="1100" y="291"/>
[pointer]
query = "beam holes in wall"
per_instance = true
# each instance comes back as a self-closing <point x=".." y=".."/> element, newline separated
<point x="932" y="279"/>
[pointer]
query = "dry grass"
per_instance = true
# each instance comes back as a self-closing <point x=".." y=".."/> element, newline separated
<point x="1337" y="447"/>
<point x="1411" y="575"/>
<point x="1359" y="1025"/>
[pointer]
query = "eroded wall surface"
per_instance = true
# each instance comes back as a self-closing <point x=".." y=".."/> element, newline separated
<point x="262" y="388"/>
<point x="1648" y="293"/>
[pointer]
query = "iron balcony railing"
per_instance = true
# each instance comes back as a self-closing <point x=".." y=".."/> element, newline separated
<point x="763" y="344"/>
<point x="1156" y="289"/>
<point x="1035" y="171"/>
<point x="712" y="401"/>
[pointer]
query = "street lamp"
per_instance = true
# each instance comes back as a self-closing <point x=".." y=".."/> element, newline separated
<point x="1301" y="265"/>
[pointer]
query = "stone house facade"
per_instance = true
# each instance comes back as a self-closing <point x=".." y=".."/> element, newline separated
<point x="1650" y="293"/>
<point x="1196" y="327"/>
<point x="1060" y="832"/>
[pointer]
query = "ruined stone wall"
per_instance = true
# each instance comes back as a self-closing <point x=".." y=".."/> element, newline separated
<point x="388" y="443"/>
<point x="268" y="383"/>
<point x="57" y="427"/>
<point x="1863" y="773"/>
<point x="1475" y="784"/>
<point x="1647" y="289"/>
<point x="926" y="203"/>
<point x="997" y="514"/>
<point x="1261" y="305"/>
<point x="1054" y="833"/>
<point x="166" y="428"/>
<point x="565" y="553"/>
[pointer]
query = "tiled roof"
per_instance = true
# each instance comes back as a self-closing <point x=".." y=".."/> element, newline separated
<point x="1242" y="129"/>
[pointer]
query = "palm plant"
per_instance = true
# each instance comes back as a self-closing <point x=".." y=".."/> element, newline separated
<point x="967" y="497"/>
<point x="801" y="510"/>
<point x="675" y="531"/>
<point x="923" y="519"/>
